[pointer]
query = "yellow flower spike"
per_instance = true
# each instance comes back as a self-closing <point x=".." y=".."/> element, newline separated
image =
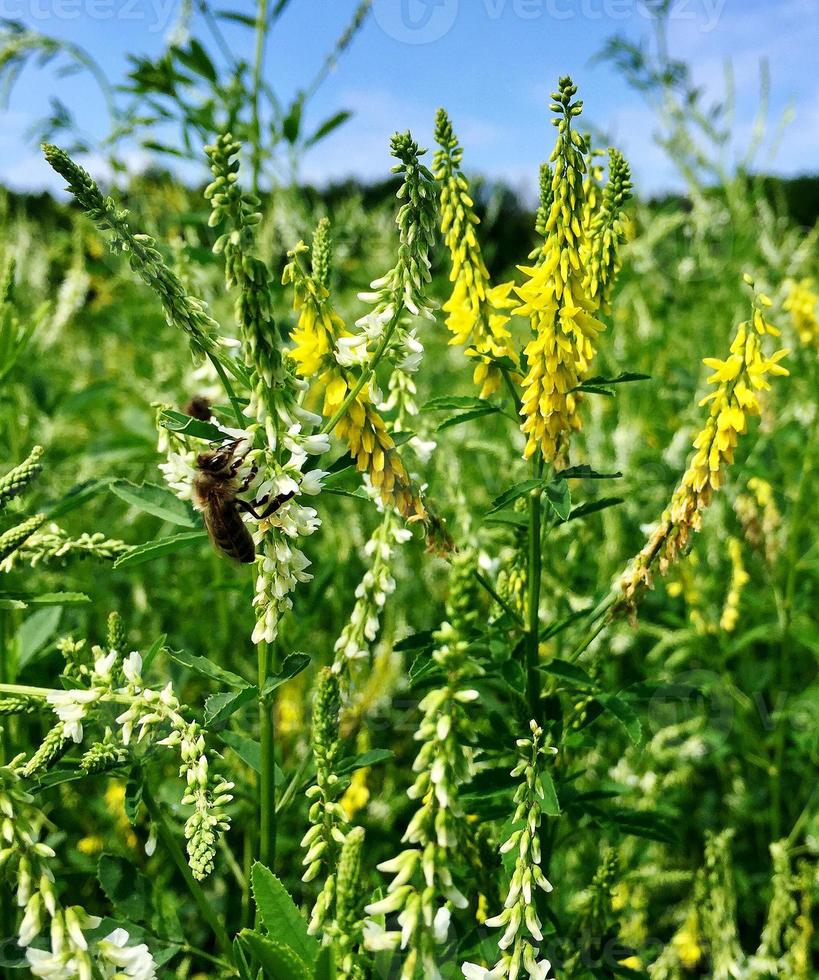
<point x="803" y="305"/>
<point x="739" y="378"/>
<point x="315" y="336"/>
<point x="477" y="312"/>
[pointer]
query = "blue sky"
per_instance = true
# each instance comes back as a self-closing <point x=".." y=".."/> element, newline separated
<point x="492" y="63"/>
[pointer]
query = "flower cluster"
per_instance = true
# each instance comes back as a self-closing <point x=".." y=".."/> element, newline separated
<point x="345" y="928"/>
<point x="423" y="890"/>
<point x="519" y="918"/>
<point x="115" y="679"/>
<point x="606" y="232"/>
<point x="739" y="579"/>
<point x="326" y="351"/>
<point x="803" y="305"/>
<point x="760" y="518"/>
<point x="371" y="593"/>
<point x="477" y="312"/>
<point x="555" y="296"/>
<point x="74" y="952"/>
<point x="274" y="405"/>
<point x="328" y="821"/>
<point x="51" y="545"/>
<point x="181" y="310"/>
<point x="17" y="479"/>
<point x="739" y="380"/>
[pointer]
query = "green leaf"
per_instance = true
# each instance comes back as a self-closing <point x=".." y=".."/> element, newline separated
<point x="240" y="959"/>
<point x="624" y="713"/>
<point x="363" y="761"/>
<point x="568" y="672"/>
<point x="476" y="413"/>
<point x="157" y="501"/>
<point x="133" y="796"/>
<point x="294" y="663"/>
<point x="36" y="632"/>
<point x="327" y="127"/>
<point x="206" y="668"/>
<point x="219" y="707"/>
<point x="513" y="493"/>
<point x="279" y="914"/>
<point x="559" y="497"/>
<point x="452" y="402"/>
<point x="152" y="651"/>
<point x="76" y="497"/>
<point x="550" y="803"/>
<point x="325" y="968"/>
<point x="585" y="472"/>
<point x="625" y="378"/>
<point x="184" y="425"/>
<point x="124" y="886"/>
<point x="248" y="749"/>
<point x="593" y="506"/>
<point x="142" y="553"/>
<point x="19" y="600"/>
<point x="291" y="124"/>
<point x="278" y="961"/>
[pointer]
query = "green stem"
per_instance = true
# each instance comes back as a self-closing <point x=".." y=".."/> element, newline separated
<point x="258" y="70"/>
<point x="226" y="384"/>
<point x="486" y="584"/>
<point x="533" y="580"/>
<point x="366" y="374"/>
<point x="202" y="902"/>
<point x="267" y="776"/>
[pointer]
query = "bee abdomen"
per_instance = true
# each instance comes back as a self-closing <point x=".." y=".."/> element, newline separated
<point x="229" y="533"/>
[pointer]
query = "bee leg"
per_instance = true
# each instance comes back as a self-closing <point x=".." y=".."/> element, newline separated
<point x="275" y="504"/>
<point x="247" y="508"/>
<point x="251" y="476"/>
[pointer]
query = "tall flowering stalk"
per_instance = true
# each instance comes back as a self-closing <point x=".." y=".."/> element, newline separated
<point x="358" y="635"/>
<point x="555" y="296"/>
<point x="739" y="379"/>
<point x="477" y="312"/>
<point x="25" y="859"/>
<point x="325" y="352"/>
<point x="423" y="891"/>
<point x="519" y="919"/>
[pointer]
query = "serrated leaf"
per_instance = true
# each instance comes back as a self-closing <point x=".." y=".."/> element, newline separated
<point x="156" y="501"/>
<point x="152" y="651"/>
<point x="625" y="378"/>
<point x="293" y="664"/>
<point x="549" y="802"/>
<point x="476" y="413"/>
<point x="512" y="494"/>
<point x="185" y="425"/>
<point x="279" y="914"/>
<point x="594" y="506"/>
<point x="325" y="968"/>
<point x="327" y="127"/>
<point x="35" y="633"/>
<point x="206" y="668"/>
<point x="151" y="550"/>
<point x="585" y="472"/>
<point x="415" y="641"/>
<point x="124" y="886"/>
<point x="133" y="796"/>
<point x="568" y="672"/>
<point x="219" y="707"/>
<point x="76" y="497"/>
<point x="624" y="713"/>
<point x="559" y="497"/>
<point x="278" y="962"/>
<point x="363" y="761"/>
<point x="248" y="749"/>
<point x="452" y="402"/>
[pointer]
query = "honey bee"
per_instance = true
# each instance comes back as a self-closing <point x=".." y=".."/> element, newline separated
<point x="215" y="489"/>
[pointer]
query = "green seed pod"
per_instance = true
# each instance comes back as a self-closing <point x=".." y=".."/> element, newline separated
<point x="16" y="480"/>
<point x="322" y="253"/>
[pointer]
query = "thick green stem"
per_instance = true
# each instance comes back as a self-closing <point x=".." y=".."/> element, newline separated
<point x="267" y="775"/>
<point x="202" y="902"/>
<point x="258" y="71"/>
<point x="533" y="579"/>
